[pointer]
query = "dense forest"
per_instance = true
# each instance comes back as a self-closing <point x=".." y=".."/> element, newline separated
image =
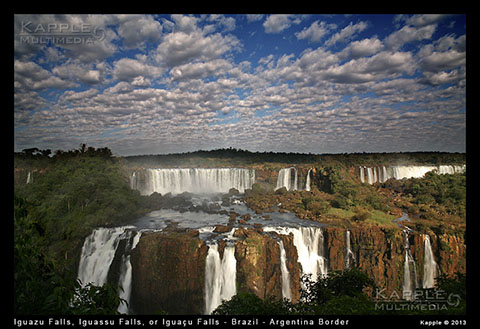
<point x="75" y="191"/>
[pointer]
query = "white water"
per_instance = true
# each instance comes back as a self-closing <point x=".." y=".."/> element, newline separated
<point x="220" y="276"/>
<point x="350" y="257"/>
<point x="29" y="178"/>
<point x="430" y="267"/>
<point x="408" y="285"/>
<point x="97" y="255"/>
<point x="381" y="174"/>
<point x="284" y="179"/>
<point x="308" y="181"/>
<point x="286" y="293"/>
<point x="125" y="280"/>
<point x="310" y="250"/>
<point x="196" y="180"/>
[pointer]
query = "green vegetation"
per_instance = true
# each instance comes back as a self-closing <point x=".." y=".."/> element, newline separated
<point x="75" y="191"/>
<point x="351" y="292"/>
<point x="41" y="286"/>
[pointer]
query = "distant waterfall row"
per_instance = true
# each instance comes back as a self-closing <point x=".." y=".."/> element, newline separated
<point x="194" y="180"/>
<point x="381" y="174"/>
<point x="288" y="178"/>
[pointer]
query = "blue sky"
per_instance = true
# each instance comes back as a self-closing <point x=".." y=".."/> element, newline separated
<point x="148" y="84"/>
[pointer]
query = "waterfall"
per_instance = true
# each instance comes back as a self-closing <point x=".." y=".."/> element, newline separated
<point x="309" y="244"/>
<point x="308" y="181"/>
<point x="198" y="180"/>
<point x="408" y="285"/>
<point x="29" y="178"/>
<point x="350" y="257"/>
<point x="286" y="293"/>
<point x="430" y="267"/>
<point x="285" y="179"/>
<point x="125" y="280"/>
<point x="220" y="276"/>
<point x="382" y="174"/>
<point x="133" y="181"/>
<point x="98" y="252"/>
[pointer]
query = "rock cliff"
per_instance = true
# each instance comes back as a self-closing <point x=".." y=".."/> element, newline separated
<point x="169" y="267"/>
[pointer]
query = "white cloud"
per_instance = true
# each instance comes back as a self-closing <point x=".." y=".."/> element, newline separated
<point x="315" y="32"/>
<point x="362" y="48"/>
<point x="279" y="22"/>
<point x="136" y="30"/>
<point x="179" y="47"/>
<point x="346" y="33"/>
<point x="408" y="34"/>
<point x="127" y="69"/>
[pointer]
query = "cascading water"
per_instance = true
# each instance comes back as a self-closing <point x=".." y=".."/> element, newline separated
<point x="350" y="257"/>
<point x="196" y="180"/>
<point x="308" y="181"/>
<point x="430" y="267"/>
<point x="285" y="179"/>
<point x="125" y="280"/>
<point x="381" y="174"/>
<point x="309" y="244"/>
<point x="29" y="178"/>
<point x="97" y="255"/>
<point x="286" y="293"/>
<point x="408" y="285"/>
<point x="220" y="276"/>
<point x="98" y="252"/>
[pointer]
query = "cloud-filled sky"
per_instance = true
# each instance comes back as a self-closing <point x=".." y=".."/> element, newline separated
<point x="152" y="84"/>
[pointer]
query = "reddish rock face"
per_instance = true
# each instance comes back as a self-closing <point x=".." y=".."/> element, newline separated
<point x="169" y="267"/>
<point x="168" y="274"/>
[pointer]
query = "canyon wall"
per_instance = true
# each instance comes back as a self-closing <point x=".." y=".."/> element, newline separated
<point x="169" y="267"/>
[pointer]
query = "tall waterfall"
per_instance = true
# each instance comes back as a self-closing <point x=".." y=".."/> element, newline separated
<point x="408" y="285"/>
<point x="381" y="174"/>
<point x="430" y="267"/>
<point x="285" y="178"/>
<point x="125" y="281"/>
<point x="220" y="276"/>
<point x="98" y="252"/>
<point x="308" y="181"/>
<point x="310" y="249"/>
<point x="350" y="257"/>
<point x="196" y="180"/>
<point x="286" y="292"/>
<point x="29" y="178"/>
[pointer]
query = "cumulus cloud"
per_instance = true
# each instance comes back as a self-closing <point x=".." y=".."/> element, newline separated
<point x="408" y="34"/>
<point x="279" y="22"/>
<point x="183" y="82"/>
<point x="136" y="30"/>
<point x="315" y="32"/>
<point x="346" y="33"/>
